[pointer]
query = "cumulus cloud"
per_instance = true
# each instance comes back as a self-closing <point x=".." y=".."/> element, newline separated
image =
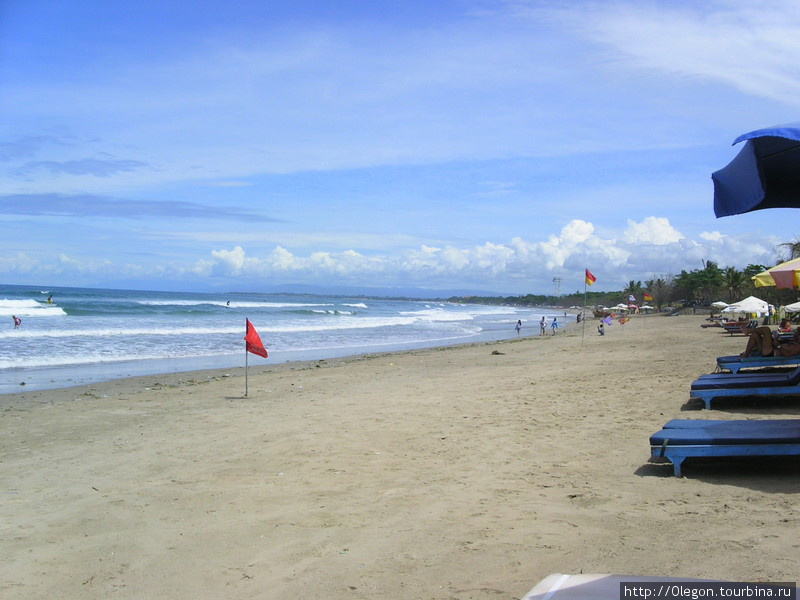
<point x="646" y="248"/>
<point x="712" y="236"/>
<point x="19" y="263"/>
<point x="652" y="230"/>
<point x="228" y="262"/>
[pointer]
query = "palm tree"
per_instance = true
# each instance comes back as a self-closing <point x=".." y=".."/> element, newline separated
<point x="634" y="289"/>
<point x="735" y="282"/>
<point x="660" y="289"/>
<point x="794" y="248"/>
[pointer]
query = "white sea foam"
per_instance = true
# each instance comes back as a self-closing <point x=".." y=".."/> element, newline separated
<point x="438" y="314"/>
<point x="29" y="308"/>
<point x="6" y="303"/>
<point x="232" y="304"/>
<point x="115" y="332"/>
<point x="107" y="327"/>
<point x="345" y="323"/>
<point x="88" y="359"/>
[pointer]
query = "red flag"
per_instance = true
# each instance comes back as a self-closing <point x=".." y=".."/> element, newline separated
<point x="590" y="279"/>
<point x="253" y="342"/>
<point x="647" y="297"/>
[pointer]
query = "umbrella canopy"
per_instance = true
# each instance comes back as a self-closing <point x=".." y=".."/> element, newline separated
<point x="792" y="308"/>
<point x="783" y="276"/>
<point x="719" y="304"/>
<point x="765" y="173"/>
<point x="751" y="304"/>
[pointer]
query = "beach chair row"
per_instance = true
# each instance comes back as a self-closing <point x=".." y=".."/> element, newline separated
<point x="680" y="439"/>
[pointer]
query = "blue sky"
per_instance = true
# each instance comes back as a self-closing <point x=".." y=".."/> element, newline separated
<point x="448" y="145"/>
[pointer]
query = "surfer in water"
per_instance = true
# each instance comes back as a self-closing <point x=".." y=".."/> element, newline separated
<point x="17" y="321"/>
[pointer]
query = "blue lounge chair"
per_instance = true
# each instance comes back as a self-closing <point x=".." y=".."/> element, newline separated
<point x="735" y="363"/>
<point x="680" y="439"/>
<point x="736" y="328"/>
<point x="740" y="385"/>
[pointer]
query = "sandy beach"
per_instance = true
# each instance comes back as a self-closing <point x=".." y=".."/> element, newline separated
<point x="466" y="472"/>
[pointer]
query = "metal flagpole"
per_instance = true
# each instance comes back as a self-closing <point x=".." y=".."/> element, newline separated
<point x="583" y="311"/>
<point x="245" y="369"/>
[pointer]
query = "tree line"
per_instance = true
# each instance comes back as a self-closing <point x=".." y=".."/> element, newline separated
<point x="697" y="288"/>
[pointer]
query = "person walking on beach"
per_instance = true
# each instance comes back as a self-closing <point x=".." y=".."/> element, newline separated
<point x="17" y="321"/>
<point x="518" y="327"/>
<point x="542" y="326"/>
<point x="554" y="325"/>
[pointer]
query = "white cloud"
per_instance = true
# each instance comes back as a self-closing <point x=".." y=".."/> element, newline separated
<point x="517" y="266"/>
<point x="712" y="236"/>
<point x="19" y="263"/>
<point x="647" y="248"/>
<point x="229" y="262"/>
<point x="750" y="47"/>
<point x="652" y="230"/>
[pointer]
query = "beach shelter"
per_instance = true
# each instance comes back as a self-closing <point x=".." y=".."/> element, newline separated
<point x="792" y="308"/>
<point x="765" y="173"/>
<point x="719" y="304"/>
<point x="783" y="276"/>
<point x="751" y="304"/>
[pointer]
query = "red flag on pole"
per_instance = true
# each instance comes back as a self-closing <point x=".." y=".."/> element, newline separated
<point x="590" y="279"/>
<point x="253" y="342"/>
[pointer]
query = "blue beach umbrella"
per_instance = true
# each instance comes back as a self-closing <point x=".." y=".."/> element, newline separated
<point x="765" y="173"/>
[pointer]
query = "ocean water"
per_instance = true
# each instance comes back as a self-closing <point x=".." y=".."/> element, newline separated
<point x="86" y="335"/>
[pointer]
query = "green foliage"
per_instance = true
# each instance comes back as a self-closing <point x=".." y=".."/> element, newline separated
<point x="699" y="287"/>
<point x="793" y="248"/>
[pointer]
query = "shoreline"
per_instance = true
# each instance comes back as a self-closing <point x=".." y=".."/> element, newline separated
<point x="175" y="379"/>
<point x="45" y="378"/>
<point x="469" y="471"/>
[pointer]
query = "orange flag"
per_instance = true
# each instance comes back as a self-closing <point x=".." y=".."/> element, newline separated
<point x="590" y="279"/>
<point x="253" y="342"/>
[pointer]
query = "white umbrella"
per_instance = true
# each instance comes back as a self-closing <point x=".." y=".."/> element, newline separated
<point x="792" y="308"/>
<point x="719" y="304"/>
<point x="751" y="304"/>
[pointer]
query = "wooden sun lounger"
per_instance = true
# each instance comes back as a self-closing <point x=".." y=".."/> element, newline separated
<point x="740" y="385"/>
<point x="680" y="439"/>
<point x="735" y="363"/>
